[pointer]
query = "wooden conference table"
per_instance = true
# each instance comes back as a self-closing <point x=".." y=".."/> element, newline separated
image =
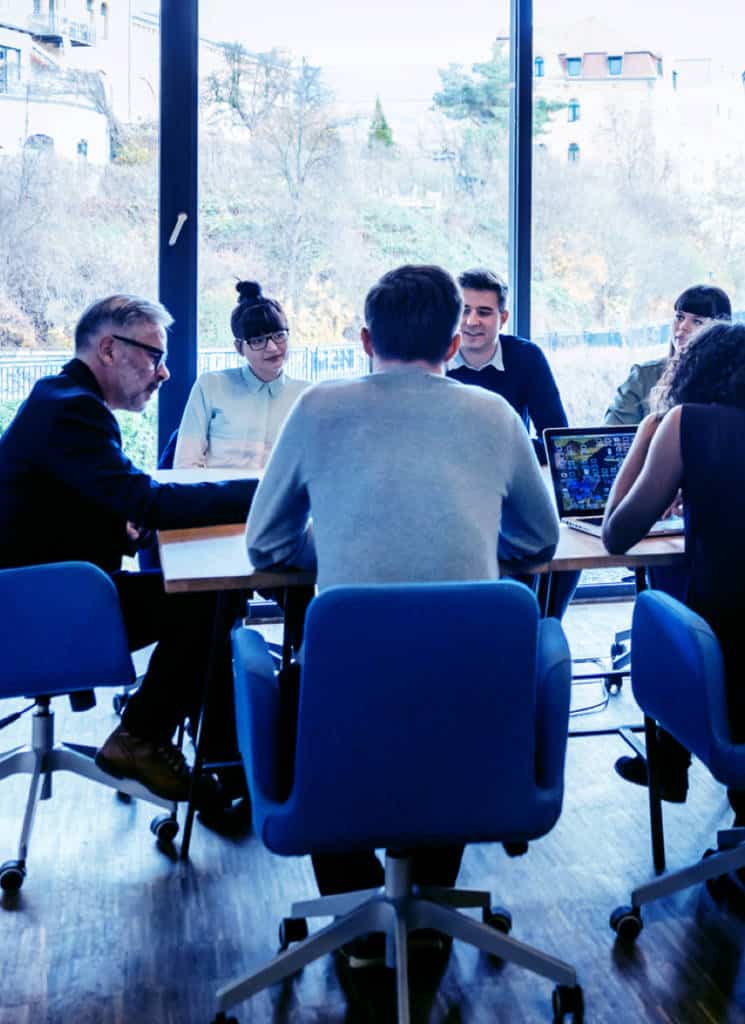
<point x="215" y="559"/>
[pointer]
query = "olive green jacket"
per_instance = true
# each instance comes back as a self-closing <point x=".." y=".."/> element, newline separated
<point x="631" y="401"/>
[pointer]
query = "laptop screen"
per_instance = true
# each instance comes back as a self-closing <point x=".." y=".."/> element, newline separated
<point x="583" y="462"/>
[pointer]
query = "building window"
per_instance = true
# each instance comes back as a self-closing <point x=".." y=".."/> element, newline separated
<point x="42" y="143"/>
<point x="538" y="67"/>
<point x="574" y="67"/>
<point x="573" y="153"/>
<point x="10" y="67"/>
<point x="573" y="110"/>
<point x="83" y="148"/>
<point x="615" y="65"/>
<point x="675" y="79"/>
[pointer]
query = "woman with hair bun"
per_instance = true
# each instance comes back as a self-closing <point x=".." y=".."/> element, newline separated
<point x="233" y="416"/>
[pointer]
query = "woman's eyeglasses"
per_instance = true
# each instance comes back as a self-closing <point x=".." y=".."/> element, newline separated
<point x="262" y="340"/>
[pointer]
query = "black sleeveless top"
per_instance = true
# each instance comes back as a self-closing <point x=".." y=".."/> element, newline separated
<point x="712" y="441"/>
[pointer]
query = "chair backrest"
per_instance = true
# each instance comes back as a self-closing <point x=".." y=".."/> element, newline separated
<point x="678" y="678"/>
<point x="61" y="630"/>
<point x="169" y="452"/>
<point x="418" y="719"/>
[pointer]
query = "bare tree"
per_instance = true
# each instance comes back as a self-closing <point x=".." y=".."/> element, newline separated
<point x="249" y="87"/>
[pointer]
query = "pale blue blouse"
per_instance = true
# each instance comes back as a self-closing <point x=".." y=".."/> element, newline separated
<point x="232" y="418"/>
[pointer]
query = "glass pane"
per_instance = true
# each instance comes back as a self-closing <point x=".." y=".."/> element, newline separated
<point x="338" y="141"/>
<point x="638" y="192"/>
<point x="79" y="88"/>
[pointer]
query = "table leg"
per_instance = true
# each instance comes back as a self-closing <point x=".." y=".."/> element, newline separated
<point x="220" y="628"/>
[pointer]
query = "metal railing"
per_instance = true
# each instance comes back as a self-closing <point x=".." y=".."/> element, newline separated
<point x="19" y="371"/>
<point x="52" y="24"/>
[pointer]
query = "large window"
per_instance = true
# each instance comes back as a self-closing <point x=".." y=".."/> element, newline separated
<point x="332" y="149"/>
<point x="619" y="233"/>
<point x="78" y="181"/>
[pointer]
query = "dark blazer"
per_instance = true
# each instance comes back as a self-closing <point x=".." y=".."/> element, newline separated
<point x="526" y="382"/>
<point x="67" y="489"/>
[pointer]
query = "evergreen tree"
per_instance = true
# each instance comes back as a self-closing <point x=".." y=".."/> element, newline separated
<point x="379" y="133"/>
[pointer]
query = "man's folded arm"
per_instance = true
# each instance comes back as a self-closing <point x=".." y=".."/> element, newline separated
<point x="529" y="530"/>
<point x="278" y="531"/>
<point x="88" y="458"/>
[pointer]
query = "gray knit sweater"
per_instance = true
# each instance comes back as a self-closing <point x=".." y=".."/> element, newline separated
<point x="408" y="476"/>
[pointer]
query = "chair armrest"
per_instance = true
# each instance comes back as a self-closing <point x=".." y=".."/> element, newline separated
<point x="553" y="688"/>
<point x="677" y="675"/>
<point x="257" y="710"/>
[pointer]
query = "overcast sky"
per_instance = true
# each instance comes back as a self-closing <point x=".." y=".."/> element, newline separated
<point x="438" y="31"/>
<point x="393" y="48"/>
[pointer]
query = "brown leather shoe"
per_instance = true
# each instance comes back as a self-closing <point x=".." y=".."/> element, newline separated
<point x="160" y="767"/>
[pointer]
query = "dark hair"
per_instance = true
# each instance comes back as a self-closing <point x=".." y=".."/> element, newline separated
<point x="119" y="311"/>
<point x="704" y="300"/>
<point x="482" y="280"/>
<point x="255" y="314"/>
<point x="711" y="368"/>
<point x="413" y="313"/>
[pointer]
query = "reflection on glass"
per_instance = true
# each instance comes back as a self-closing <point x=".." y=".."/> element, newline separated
<point x="638" y="192"/>
<point x="78" y="179"/>
<point x="333" y="150"/>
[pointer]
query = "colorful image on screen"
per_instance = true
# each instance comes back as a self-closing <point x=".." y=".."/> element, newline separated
<point x="585" y="468"/>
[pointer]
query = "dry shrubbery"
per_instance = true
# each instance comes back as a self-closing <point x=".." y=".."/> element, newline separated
<point x="588" y="376"/>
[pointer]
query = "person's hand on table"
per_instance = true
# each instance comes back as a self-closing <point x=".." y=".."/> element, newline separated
<point x="676" y="508"/>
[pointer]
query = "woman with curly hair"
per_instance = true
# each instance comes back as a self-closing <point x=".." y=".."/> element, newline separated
<point x="694" y="443"/>
<point x="233" y="416"/>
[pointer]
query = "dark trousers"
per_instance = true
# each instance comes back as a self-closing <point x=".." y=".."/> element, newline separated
<point x="183" y="626"/>
<point x="562" y="587"/>
<point x="350" y="871"/>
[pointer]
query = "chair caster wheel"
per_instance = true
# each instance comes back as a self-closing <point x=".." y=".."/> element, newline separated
<point x="12" y="873"/>
<point x="568" y="999"/>
<point x="292" y="929"/>
<point x="626" y="922"/>
<point x="497" y="918"/>
<point x="119" y="703"/>
<point x="613" y="684"/>
<point x="164" y="827"/>
<point x="220" y="1018"/>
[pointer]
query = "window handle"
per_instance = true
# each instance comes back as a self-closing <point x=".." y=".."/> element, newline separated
<point x="180" y="221"/>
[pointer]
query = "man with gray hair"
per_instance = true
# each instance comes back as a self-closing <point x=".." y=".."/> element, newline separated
<point x="70" y="493"/>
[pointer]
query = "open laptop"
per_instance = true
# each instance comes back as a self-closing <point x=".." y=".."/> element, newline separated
<point x="583" y="462"/>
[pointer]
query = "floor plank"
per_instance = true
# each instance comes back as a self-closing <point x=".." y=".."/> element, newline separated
<point x="107" y="929"/>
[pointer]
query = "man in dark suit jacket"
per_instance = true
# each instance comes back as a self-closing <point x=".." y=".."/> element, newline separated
<point x="70" y="492"/>
<point x="514" y="368"/>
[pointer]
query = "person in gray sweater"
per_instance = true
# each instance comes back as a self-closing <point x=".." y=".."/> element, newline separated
<point x="408" y="476"/>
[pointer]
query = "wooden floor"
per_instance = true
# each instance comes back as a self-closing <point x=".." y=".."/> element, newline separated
<point x="108" y="929"/>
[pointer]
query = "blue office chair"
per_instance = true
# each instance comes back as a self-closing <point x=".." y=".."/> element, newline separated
<point x="61" y="632"/>
<point x="677" y="675"/>
<point x="429" y="714"/>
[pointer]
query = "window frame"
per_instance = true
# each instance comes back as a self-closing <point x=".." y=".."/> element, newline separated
<point x="177" y="269"/>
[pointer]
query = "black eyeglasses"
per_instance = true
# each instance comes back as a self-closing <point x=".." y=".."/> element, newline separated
<point x="262" y="340"/>
<point x="158" y="355"/>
